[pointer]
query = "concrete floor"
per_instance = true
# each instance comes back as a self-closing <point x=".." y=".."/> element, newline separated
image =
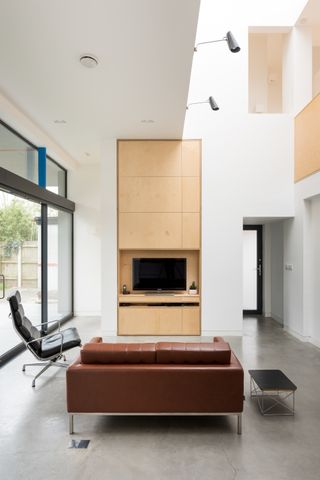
<point x="34" y="438"/>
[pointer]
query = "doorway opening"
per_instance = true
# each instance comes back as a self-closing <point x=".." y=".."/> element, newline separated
<point x="252" y="269"/>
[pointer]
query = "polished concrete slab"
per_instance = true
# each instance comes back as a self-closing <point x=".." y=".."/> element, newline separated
<point x="34" y="436"/>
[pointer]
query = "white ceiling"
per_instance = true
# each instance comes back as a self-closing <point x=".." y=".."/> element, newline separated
<point x="145" y="51"/>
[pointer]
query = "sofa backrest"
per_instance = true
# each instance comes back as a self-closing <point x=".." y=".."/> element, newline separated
<point x="157" y="353"/>
<point x="118" y="353"/>
<point x="193" y="353"/>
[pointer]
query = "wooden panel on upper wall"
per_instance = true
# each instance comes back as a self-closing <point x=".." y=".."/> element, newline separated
<point x="150" y="230"/>
<point x="190" y="194"/>
<point x="307" y="140"/>
<point x="191" y="158"/>
<point x="149" y="158"/>
<point x="150" y="194"/>
<point x="191" y="230"/>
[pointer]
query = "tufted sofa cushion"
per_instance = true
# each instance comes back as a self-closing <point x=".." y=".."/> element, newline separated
<point x="119" y="353"/>
<point x="161" y="353"/>
<point x="193" y="353"/>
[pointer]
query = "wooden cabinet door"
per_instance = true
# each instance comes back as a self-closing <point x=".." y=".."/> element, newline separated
<point x="191" y="230"/>
<point x="150" y="194"/>
<point x="191" y="321"/>
<point x="170" y="321"/>
<point x="191" y="158"/>
<point x="191" y="194"/>
<point x="149" y="158"/>
<point x="150" y="230"/>
<point x="138" y="321"/>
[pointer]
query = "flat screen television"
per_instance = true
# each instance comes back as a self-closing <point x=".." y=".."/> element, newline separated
<point x="159" y="274"/>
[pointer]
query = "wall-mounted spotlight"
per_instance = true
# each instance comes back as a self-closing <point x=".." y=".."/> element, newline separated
<point x="213" y="104"/>
<point x="229" y="38"/>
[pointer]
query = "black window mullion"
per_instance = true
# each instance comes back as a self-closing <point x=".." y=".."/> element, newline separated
<point x="44" y="267"/>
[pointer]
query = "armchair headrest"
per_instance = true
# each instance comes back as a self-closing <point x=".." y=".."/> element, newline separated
<point x="15" y="300"/>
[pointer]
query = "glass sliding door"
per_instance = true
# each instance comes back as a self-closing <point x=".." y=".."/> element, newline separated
<point x="59" y="264"/>
<point x="20" y="262"/>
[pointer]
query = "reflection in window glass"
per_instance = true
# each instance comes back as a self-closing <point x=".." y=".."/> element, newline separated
<point x="56" y="178"/>
<point x="18" y="156"/>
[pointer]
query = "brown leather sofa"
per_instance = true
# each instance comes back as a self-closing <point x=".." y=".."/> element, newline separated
<point x="165" y="378"/>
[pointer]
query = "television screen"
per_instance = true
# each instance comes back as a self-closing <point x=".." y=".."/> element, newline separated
<point x="159" y="273"/>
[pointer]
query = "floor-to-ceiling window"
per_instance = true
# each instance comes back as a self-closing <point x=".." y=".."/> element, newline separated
<point x="36" y="234"/>
<point x="59" y="263"/>
<point x="20" y="261"/>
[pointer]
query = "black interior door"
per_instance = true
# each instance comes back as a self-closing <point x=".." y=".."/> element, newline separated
<point x="252" y="269"/>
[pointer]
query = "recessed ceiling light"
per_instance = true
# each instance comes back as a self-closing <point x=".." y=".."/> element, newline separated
<point x="303" y="20"/>
<point x="147" y="121"/>
<point x="89" y="61"/>
<point x="60" y="121"/>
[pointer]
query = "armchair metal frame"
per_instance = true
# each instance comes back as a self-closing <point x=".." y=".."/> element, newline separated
<point x="61" y="345"/>
<point x="50" y="361"/>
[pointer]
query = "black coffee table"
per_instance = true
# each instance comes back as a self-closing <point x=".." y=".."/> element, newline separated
<point x="272" y="387"/>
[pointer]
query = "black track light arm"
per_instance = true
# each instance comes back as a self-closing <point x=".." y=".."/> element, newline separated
<point x="211" y="102"/>
<point x="229" y="38"/>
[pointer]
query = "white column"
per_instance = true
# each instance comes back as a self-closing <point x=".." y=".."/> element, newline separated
<point x="266" y="270"/>
<point x="109" y="237"/>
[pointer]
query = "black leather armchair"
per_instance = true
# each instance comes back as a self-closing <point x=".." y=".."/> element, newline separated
<point x="48" y="349"/>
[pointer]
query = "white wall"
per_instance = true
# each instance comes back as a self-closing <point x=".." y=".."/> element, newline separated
<point x="314" y="273"/>
<point x="277" y="267"/>
<point x="247" y="158"/>
<point x="297" y="69"/>
<point x="301" y="250"/>
<point x="109" y="276"/>
<point x="84" y="185"/>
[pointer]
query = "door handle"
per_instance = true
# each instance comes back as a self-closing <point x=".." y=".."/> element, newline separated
<point x="259" y="270"/>
<point x="3" y="286"/>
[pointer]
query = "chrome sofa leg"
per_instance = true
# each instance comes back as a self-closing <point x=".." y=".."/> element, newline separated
<point x="71" y="424"/>
<point x="40" y="373"/>
<point x="239" y="426"/>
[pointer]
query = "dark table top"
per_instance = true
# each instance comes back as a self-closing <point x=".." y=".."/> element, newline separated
<point x="272" y="380"/>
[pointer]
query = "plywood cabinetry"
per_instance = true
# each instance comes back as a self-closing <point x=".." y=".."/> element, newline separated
<point x="307" y="140"/>
<point x="190" y="194"/>
<point x="146" y="320"/>
<point x="150" y="230"/>
<point x="159" y="194"/>
<point x="191" y="321"/>
<point x="150" y="194"/>
<point x="191" y="158"/>
<point x="159" y="215"/>
<point x="145" y="158"/>
<point x="191" y="230"/>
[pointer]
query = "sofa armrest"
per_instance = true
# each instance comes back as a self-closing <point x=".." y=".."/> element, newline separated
<point x="218" y="339"/>
<point x="95" y="340"/>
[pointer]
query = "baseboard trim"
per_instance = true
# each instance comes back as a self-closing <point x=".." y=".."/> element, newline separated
<point x="303" y="338"/>
<point x="315" y="342"/>
<point x="221" y="333"/>
<point x="295" y="334"/>
<point x="277" y="318"/>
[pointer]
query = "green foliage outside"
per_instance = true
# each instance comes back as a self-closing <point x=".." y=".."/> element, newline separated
<point x="16" y="226"/>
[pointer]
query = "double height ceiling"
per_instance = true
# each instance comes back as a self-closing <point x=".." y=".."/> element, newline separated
<point x="139" y="88"/>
